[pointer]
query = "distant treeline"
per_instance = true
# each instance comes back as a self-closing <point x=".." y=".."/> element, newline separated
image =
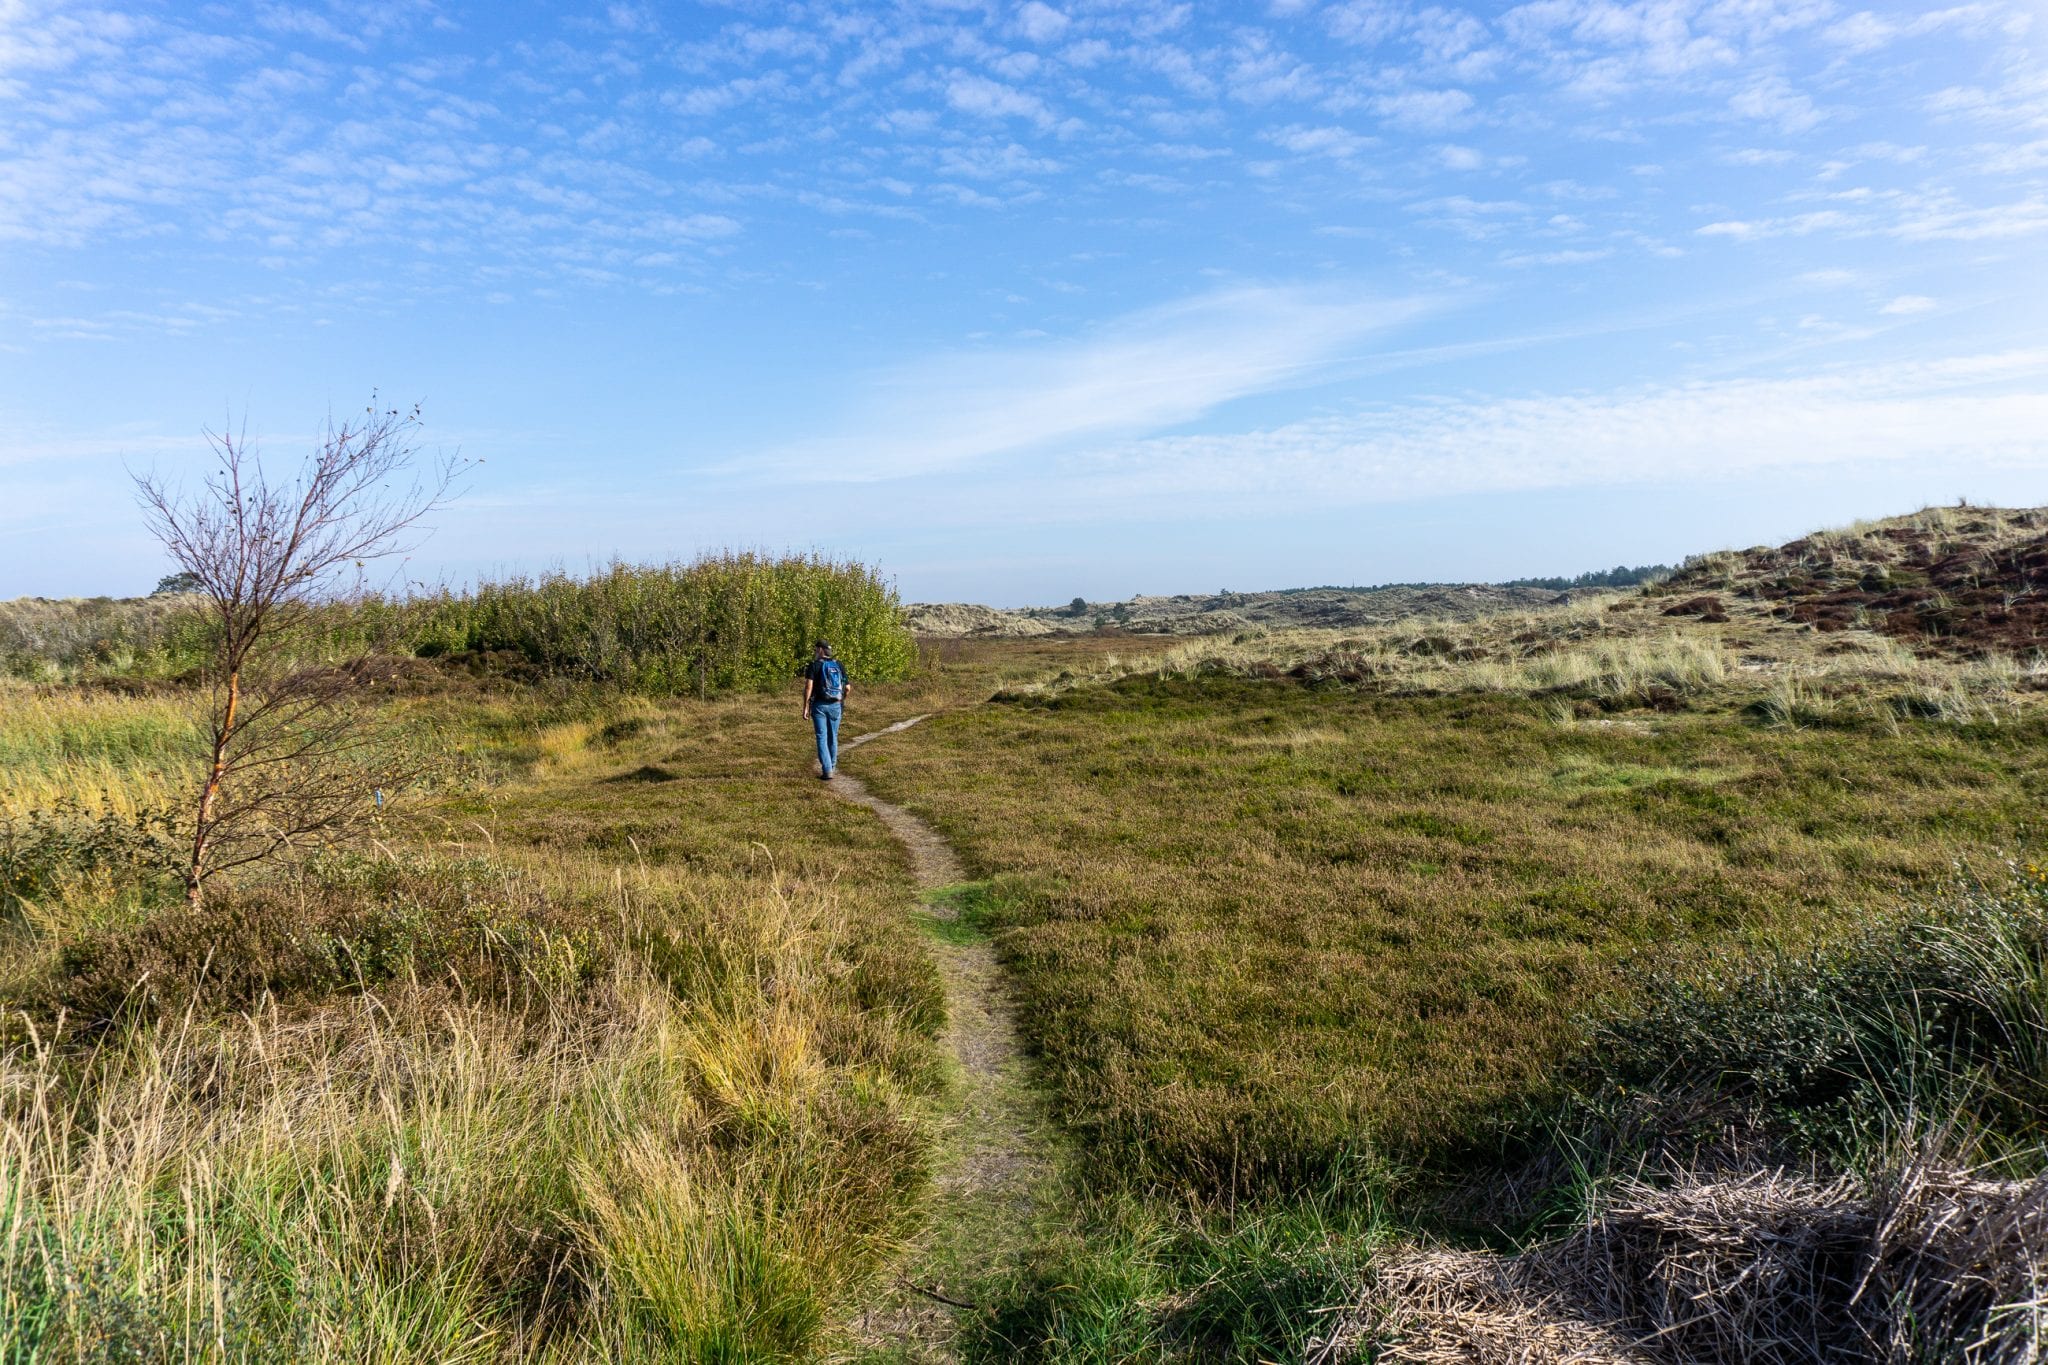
<point x="720" y="623"/>
<point x="1620" y="576"/>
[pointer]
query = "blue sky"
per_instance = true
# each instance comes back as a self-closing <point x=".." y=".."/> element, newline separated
<point x="1025" y="301"/>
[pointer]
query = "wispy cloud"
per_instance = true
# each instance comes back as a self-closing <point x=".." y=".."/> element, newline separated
<point x="1673" y="433"/>
<point x="1145" y="372"/>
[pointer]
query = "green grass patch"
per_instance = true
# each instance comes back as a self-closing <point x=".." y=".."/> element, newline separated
<point x="1120" y="1277"/>
<point x="616" y="1043"/>
<point x="959" y="914"/>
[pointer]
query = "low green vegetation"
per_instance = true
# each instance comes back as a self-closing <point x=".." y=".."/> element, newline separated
<point x="52" y="641"/>
<point x="1120" y="1277"/>
<point x="1929" y="1024"/>
<point x="1259" y="925"/>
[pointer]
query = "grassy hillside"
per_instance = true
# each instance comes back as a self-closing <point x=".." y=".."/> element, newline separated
<point x="1962" y="580"/>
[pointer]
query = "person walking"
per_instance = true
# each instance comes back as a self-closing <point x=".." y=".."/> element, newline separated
<point x="825" y="690"/>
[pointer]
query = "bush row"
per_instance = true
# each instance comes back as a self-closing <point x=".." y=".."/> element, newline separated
<point x="733" y="621"/>
<point x="725" y="622"/>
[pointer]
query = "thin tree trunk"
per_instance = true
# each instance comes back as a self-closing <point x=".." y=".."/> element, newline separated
<point x="203" y="826"/>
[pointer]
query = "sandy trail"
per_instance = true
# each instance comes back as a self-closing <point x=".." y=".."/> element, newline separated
<point x="993" y="1160"/>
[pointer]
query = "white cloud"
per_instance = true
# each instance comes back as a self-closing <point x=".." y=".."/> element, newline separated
<point x="989" y="161"/>
<point x="1365" y="22"/>
<point x="1585" y="257"/>
<point x="1424" y="110"/>
<point x="1992" y="408"/>
<point x="1143" y="372"/>
<point x="1865" y="32"/>
<point x="1041" y="23"/>
<point x="1905" y="305"/>
<point x="1797" y="226"/>
<point x="1757" y="156"/>
<point x="1772" y="100"/>
<point x="1260" y="75"/>
<point x="1341" y="143"/>
<point x="981" y="96"/>
<point x="1942" y="218"/>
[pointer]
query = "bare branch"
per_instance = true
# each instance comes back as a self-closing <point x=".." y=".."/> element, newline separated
<point x="284" y="738"/>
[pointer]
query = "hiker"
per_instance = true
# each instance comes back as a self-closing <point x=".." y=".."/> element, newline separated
<point x="824" y="700"/>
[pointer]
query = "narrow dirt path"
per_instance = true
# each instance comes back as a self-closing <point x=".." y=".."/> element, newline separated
<point x="994" y="1159"/>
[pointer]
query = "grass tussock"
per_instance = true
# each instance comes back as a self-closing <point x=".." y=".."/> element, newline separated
<point x="1829" y="1155"/>
<point x="663" y="1126"/>
<point x="1122" y="1277"/>
<point x="1845" y="1054"/>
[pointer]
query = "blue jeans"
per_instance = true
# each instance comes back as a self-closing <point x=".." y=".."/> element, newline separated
<point x="825" y="720"/>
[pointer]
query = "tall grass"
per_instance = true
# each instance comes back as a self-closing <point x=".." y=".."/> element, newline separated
<point x="668" y="1123"/>
<point x="101" y="750"/>
<point x="1927" y="1027"/>
<point x="48" y="640"/>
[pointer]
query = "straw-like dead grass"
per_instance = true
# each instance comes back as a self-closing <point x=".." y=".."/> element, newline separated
<point x="1768" y="1267"/>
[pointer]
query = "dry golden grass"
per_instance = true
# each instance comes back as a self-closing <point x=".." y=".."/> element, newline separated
<point x="102" y="750"/>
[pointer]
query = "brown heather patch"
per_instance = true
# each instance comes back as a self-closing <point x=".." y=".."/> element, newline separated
<point x="1959" y="580"/>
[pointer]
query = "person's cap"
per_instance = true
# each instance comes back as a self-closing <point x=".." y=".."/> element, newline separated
<point x="824" y="646"/>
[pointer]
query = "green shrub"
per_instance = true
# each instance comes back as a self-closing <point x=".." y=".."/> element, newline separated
<point x="43" y="849"/>
<point x="349" y="925"/>
<point x="49" y="640"/>
<point x="1135" y="1278"/>
<point x="725" y="622"/>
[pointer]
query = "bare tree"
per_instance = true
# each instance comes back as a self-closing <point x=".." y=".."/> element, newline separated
<point x="286" y="739"/>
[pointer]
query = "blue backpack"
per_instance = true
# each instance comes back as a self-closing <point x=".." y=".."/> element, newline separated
<point x="831" y="680"/>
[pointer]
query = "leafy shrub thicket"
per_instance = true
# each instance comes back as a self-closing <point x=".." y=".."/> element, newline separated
<point x="734" y="621"/>
<point x="40" y="850"/>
